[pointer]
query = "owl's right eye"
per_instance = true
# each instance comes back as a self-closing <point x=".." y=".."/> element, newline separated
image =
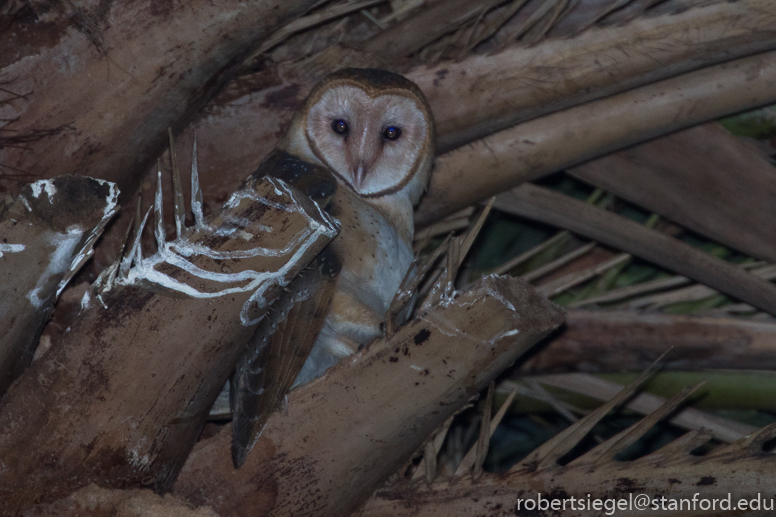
<point x="340" y="127"/>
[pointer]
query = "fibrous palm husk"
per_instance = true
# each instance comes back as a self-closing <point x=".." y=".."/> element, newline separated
<point x="121" y="398"/>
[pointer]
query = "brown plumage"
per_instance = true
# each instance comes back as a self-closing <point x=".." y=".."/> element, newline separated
<point x="362" y="145"/>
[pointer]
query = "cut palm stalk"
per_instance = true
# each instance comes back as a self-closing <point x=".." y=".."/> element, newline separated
<point x="517" y="84"/>
<point x="609" y="228"/>
<point x="310" y="21"/>
<point x="138" y="72"/>
<point x="691" y="293"/>
<point x="541" y="146"/>
<point x="516" y="261"/>
<point x="614" y="341"/>
<point x="495" y="322"/>
<point x="723" y="429"/>
<point x="140" y="367"/>
<point x="558" y="262"/>
<point x="657" y="175"/>
<point x="48" y="232"/>
<point x="559" y="285"/>
<point x="646" y="287"/>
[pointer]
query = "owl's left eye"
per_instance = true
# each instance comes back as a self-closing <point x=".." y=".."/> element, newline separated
<point x="340" y="127"/>
<point x="392" y="133"/>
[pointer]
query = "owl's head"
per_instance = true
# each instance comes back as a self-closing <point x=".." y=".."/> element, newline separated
<point x="373" y="129"/>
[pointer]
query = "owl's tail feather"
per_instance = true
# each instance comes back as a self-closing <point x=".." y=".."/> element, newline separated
<point x="276" y="352"/>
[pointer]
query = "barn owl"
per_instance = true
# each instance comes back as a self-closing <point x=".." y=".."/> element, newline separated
<point x="362" y="145"/>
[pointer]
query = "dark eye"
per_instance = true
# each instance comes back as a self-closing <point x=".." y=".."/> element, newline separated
<point x="392" y="133"/>
<point x="340" y="127"/>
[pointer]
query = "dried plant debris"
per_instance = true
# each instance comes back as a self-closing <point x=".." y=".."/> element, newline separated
<point x="48" y="233"/>
<point x="554" y="208"/>
<point x="662" y="477"/>
<point x="655" y="175"/>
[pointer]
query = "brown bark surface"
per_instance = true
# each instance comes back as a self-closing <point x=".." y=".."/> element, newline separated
<point x="45" y="237"/>
<point x="102" y="502"/>
<point x="100" y="82"/>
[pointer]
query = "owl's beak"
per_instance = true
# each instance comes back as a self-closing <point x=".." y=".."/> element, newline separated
<point x="360" y="175"/>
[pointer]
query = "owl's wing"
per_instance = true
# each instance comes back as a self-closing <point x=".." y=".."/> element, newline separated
<point x="283" y="340"/>
<point x="315" y="181"/>
<point x="277" y="350"/>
